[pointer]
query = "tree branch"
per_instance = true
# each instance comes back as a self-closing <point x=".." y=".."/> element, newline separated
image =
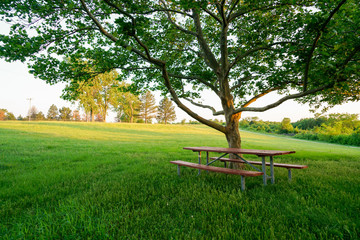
<point x="252" y="100"/>
<point x="175" y="98"/>
<point x="212" y="87"/>
<point x="176" y="25"/>
<point x="200" y="105"/>
<point x="235" y="15"/>
<point x="114" y="39"/>
<point x="165" y="10"/>
<point x="247" y="53"/>
<point x="209" y="56"/>
<point x="212" y="15"/>
<point x="351" y="55"/>
<point x="97" y="23"/>
<point x="220" y="7"/>
<point x="232" y="9"/>
<point x="240" y="82"/>
<point x="120" y="10"/>
<point x="280" y="101"/>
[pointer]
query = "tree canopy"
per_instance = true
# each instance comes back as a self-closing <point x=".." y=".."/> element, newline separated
<point x="240" y="50"/>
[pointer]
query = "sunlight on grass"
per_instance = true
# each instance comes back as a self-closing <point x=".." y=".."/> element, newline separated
<point x="61" y="180"/>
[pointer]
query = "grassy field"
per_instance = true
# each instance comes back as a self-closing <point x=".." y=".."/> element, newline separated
<point x="114" y="181"/>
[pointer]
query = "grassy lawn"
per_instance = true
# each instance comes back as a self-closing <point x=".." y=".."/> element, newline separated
<point x="114" y="181"/>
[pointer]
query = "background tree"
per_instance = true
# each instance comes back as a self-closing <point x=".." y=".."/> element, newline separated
<point x="76" y="115"/>
<point x="286" y="126"/>
<point x="32" y="113"/>
<point x="148" y="108"/>
<point x="240" y="50"/>
<point x="65" y="113"/>
<point x="94" y="94"/>
<point x="40" y="116"/>
<point x="108" y="91"/>
<point x="53" y="112"/>
<point x="3" y="114"/>
<point x="99" y="117"/>
<point x="166" y="111"/>
<point x="127" y="105"/>
<point x="10" y="116"/>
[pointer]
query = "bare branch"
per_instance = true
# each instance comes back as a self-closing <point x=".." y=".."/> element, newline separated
<point x="164" y="10"/>
<point x="252" y="100"/>
<point x="314" y="45"/>
<point x="200" y="105"/>
<point x="66" y="35"/>
<point x="176" y="99"/>
<point x="280" y="101"/>
<point x="209" y="56"/>
<point x="247" y="53"/>
<point x="212" y="87"/>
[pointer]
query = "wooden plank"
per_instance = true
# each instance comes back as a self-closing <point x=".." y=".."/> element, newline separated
<point x="217" y="169"/>
<point x="239" y="151"/>
<point x="283" y="165"/>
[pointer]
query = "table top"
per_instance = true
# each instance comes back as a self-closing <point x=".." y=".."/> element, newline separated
<point x="239" y="151"/>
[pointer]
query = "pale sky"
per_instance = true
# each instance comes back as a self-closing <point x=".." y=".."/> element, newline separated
<point x="17" y="85"/>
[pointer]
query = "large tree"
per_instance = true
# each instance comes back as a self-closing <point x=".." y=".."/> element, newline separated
<point x="94" y="94"/>
<point x="240" y="50"/>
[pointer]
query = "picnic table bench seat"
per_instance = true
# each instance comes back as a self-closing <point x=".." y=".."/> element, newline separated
<point x="282" y="165"/>
<point x="242" y="173"/>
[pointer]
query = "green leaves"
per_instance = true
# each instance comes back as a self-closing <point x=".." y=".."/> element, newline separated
<point x="279" y="44"/>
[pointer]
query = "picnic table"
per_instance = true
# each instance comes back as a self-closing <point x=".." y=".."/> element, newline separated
<point x="239" y="159"/>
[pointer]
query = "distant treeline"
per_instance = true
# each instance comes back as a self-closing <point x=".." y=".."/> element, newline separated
<point x="334" y="128"/>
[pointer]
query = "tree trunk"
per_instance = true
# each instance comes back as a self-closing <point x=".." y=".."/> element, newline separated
<point x="92" y="115"/>
<point x="105" y="111"/>
<point x="233" y="136"/>
<point x="131" y="117"/>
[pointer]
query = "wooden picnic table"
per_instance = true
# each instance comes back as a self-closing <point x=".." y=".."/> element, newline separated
<point x="237" y="152"/>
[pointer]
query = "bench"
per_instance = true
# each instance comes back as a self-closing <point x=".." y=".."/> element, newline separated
<point x="242" y="173"/>
<point x="283" y="165"/>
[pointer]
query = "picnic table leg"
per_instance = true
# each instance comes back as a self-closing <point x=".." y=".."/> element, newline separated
<point x="289" y="174"/>
<point x="264" y="170"/>
<point x="272" y="170"/>
<point x="242" y="183"/>
<point x="199" y="156"/>
<point x="178" y="170"/>
<point x="207" y="159"/>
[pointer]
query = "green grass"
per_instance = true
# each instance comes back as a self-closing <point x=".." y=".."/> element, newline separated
<point x="114" y="181"/>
